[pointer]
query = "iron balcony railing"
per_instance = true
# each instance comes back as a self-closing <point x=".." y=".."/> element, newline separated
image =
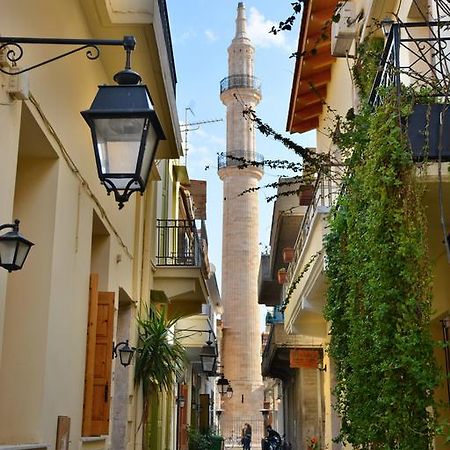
<point x="240" y="81"/>
<point x="178" y="243"/>
<point x="326" y="192"/>
<point x="240" y="159"/>
<point x="416" y="54"/>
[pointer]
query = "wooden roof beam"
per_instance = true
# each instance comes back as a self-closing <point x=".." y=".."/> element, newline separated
<point x="315" y="96"/>
<point x="305" y="125"/>
<point x="313" y="82"/>
<point x="308" y="112"/>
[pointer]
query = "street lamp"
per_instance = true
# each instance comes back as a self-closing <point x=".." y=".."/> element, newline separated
<point x="208" y="357"/>
<point x="124" y="127"/>
<point x="14" y="248"/>
<point x="222" y="384"/>
<point x="125" y="353"/>
<point x="229" y="392"/>
<point x="181" y="401"/>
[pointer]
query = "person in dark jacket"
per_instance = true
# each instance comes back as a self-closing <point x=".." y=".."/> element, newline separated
<point x="246" y="436"/>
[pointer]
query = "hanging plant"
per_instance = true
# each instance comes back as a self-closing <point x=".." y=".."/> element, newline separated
<point x="379" y="296"/>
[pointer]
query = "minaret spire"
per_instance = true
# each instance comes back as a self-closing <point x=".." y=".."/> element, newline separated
<point x="241" y="23"/>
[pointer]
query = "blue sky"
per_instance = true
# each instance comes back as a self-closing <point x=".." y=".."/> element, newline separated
<point x="201" y="33"/>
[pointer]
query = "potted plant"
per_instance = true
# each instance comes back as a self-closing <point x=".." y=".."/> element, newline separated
<point x="160" y="357"/>
<point x="425" y="134"/>
<point x="288" y="254"/>
<point x="282" y="275"/>
<point x="312" y="443"/>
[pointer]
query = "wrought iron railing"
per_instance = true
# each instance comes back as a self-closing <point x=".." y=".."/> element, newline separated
<point x="240" y="159"/>
<point x="326" y="192"/>
<point x="416" y="54"/>
<point x="168" y="39"/>
<point x="240" y="81"/>
<point x="178" y="243"/>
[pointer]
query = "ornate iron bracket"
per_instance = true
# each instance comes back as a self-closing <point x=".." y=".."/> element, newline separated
<point x="14" y="51"/>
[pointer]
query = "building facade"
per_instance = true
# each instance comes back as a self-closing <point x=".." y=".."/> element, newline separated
<point x="94" y="269"/>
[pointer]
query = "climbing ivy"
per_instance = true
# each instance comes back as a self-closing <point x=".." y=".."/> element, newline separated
<point x="379" y="296"/>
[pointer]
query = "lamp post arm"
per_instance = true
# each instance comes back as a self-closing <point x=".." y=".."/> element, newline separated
<point x="14" y="51"/>
<point x="14" y="226"/>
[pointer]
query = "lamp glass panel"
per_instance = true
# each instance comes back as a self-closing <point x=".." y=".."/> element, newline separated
<point x="125" y="356"/>
<point x="150" y="149"/>
<point x="7" y="251"/>
<point x="118" y="144"/>
<point x="208" y="363"/>
<point x="22" y="252"/>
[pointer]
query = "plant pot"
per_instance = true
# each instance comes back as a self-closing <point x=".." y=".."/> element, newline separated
<point x="424" y="132"/>
<point x="288" y="254"/>
<point x="282" y="276"/>
<point x="306" y="195"/>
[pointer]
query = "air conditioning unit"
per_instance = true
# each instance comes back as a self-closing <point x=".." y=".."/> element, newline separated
<point x="343" y="31"/>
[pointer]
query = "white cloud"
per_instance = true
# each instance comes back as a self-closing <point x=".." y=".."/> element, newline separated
<point x="211" y="36"/>
<point x="203" y="148"/>
<point x="258" y="28"/>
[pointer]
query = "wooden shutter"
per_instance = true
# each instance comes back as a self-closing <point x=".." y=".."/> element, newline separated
<point x="183" y="442"/>
<point x="98" y="361"/>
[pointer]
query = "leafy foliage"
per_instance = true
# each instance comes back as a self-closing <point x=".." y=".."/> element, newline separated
<point x="160" y="356"/>
<point x="202" y="441"/>
<point x="379" y="296"/>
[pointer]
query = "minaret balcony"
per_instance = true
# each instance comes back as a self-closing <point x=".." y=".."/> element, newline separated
<point x="240" y="82"/>
<point x="240" y="159"/>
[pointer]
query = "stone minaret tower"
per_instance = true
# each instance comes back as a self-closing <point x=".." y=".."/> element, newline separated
<point x="240" y="252"/>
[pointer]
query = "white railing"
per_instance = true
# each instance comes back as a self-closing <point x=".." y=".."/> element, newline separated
<point x="326" y="192"/>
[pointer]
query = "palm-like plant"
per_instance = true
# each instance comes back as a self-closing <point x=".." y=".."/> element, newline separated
<point x="160" y="356"/>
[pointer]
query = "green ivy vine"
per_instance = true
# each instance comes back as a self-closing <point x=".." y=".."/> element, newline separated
<point x="379" y="296"/>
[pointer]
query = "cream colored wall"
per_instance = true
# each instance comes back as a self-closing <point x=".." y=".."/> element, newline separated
<point x="43" y="308"/>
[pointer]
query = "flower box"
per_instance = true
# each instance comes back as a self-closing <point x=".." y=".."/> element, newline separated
<point x="424" y="132"/>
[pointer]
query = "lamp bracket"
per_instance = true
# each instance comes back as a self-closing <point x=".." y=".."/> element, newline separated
<point x="13" y="50"/>
<point x="14" y="226"/>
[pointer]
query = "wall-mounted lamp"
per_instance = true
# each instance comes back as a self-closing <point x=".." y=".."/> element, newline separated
<point x="229" y="392"/>
<point x="219" y="413"/>
<point x="208" y="357"/>
<point x="222" y="385"/>
<point x="180" y="401"/>
<point x="124" y="127"/>
<point x="14" y="248"/>
<point x="322" y="367"/>
<point x="125" y="352"/>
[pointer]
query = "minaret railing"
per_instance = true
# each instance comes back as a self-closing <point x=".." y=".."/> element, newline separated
<point x="240" y="159"/>
<point x="240" y="81"/>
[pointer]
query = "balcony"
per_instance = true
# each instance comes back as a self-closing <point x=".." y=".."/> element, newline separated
<point x="417" y="55"/>
<point x="303" y="315"/>
<point x="276" y="353"/>
<point x="240" y="82"/>
<point x="181" y="266"/>
<point x="241" y="159"/>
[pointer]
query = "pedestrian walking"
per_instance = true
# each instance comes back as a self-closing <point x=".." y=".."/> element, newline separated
<point x="246" y="436"/>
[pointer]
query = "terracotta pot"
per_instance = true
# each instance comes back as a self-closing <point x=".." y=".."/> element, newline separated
<point x="282" y="276"/>
<point x="288" y="254"/>
<point x="306" y="195"/>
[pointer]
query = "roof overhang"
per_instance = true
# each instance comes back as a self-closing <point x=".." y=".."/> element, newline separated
<point x="313" y="66"/>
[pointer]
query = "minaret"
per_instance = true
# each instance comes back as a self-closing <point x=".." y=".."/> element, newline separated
<point x="241" y="352"/>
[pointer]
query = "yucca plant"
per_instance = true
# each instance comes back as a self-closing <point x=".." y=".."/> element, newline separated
<point x="160" y="356"/>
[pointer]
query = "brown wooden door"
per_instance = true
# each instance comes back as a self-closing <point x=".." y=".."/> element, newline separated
<point x="98" y="361"/>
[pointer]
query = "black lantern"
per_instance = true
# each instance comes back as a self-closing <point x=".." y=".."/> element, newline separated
<point x="14" y="248"/>
<point x="125" y="133"/>
<point x="125" y="353"/>
<point x="229" y="392"/>
<point x="181" y="401"/>
<point x="222" y="384"/>
<point x="208" y="358"/>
